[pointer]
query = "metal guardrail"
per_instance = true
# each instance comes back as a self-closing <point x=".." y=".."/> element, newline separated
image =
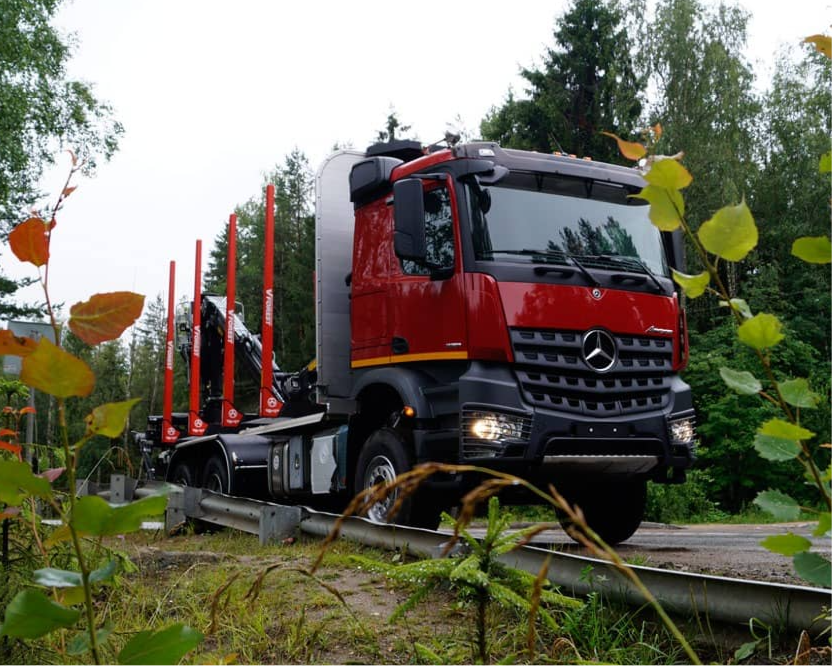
<point x="716" y="597"/>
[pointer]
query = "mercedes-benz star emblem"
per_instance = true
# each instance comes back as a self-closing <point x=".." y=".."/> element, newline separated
<point x="599" y="350"/>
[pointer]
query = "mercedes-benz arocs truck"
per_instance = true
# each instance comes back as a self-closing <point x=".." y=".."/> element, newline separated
<point x="503" y="308"/>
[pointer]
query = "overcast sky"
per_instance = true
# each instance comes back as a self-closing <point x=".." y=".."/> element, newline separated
<point x="213" y="95"/>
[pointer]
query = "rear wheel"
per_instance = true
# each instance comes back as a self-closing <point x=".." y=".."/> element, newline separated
<point x="183" y="475"/>
<point x="384" y="456"/>
<point x="614" y="510"/>
<point x="215" y="475"/>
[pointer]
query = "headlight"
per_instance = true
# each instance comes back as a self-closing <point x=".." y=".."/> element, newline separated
<point x="683" y="430"/>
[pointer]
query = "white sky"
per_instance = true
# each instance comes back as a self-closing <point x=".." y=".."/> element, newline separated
<point x="213" y="95"/>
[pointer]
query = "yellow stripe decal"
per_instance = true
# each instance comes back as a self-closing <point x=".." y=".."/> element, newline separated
<point x="409" y="358"/>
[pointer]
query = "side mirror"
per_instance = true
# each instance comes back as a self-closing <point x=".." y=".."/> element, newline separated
<point x="409" y="214"/>
<point x="674" y="247"/>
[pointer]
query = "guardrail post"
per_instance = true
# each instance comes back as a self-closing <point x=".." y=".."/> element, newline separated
<point x="86" y="487"/>
<point x="175" y="512"/>
<point x="191" y="499"/>
<point x="122" y="488"/>
<point x="278" y="522"/>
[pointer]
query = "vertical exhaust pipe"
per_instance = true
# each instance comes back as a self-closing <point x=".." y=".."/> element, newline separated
<point x="169" y="433"/>
<point x="270" y="405"/>
<point x="196" y="426"/>
<point x="230" y="416"/>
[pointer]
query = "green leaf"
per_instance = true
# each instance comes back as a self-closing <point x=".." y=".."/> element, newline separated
<point x="31" y="615"/>
<point x="813" y="249"/>
<point x="746" y="650"/>
<point x="166" y="646"/>
<point x="761" y="331"/>
<point x="824" y="524"/>
<point x="94" y="516"/>
<point x="813" y="568"/>
<point x="693" y="285"/>
<point x="103" y="573"/>
<point x="52" y="370"/>
<point x="666" y="206"/>
<point x="825" y="164"/>
<point x="738" y="305"/>
<point x="50" y="577"/>
<point x="109" y="420"/>
<point x="778" y="504"/>
<point x="730" y="233"/>
<point x="786" y="430"/>
<point x="786" y="544"/>
<point x="668" y="174"/>
<point x="797" y="392"/>
<point x="17" y="482"/>
<point x="776" y="449"/>
<point x="741" y="381"/>
<point x="57" y="578"/>
<point x="80" y="644"/>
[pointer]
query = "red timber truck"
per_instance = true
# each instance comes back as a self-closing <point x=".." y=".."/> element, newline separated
<point x="474" y="304"/>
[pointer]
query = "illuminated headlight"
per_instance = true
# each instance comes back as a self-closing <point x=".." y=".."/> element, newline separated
<point x="490" y="426"/>
<point x="683" y="431"/>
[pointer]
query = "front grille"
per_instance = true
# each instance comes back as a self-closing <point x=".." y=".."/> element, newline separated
<point x="554" y="375"/>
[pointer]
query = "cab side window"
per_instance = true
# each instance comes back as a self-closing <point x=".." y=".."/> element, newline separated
<point x="439" y="234"/>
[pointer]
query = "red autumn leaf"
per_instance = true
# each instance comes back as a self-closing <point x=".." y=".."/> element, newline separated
<point x="29" y="241"/>
<point x="69" y="190"/>
<point x="28" y="410"/>
<point x="52" y="474"/>
<point x="657" y="130"/>
<point x="14" y="448"/>
<point x="14" y="346"/>
<point x="5" y="432"/>
<point x="105" y="316"/>
<point x="52" y="370"/>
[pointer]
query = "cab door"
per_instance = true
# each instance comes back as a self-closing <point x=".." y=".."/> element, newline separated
<point x="427" y="306"/>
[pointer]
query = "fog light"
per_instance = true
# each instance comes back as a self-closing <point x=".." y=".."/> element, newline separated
<point x="486" y="427"/>
<point x="682" y="430"/>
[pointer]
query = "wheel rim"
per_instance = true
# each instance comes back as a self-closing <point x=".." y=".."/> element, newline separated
<point x="380" y="470"/>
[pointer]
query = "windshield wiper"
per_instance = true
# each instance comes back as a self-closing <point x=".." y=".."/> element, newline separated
<point x="629" y="261"/>
<point x="560" y="255"/>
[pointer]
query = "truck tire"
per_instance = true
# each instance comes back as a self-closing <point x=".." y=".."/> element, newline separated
<point x="613" y="510"/>
<point x="383" y="457"/>
<point x="215" y="475"/>
<point x="183" y="474"/>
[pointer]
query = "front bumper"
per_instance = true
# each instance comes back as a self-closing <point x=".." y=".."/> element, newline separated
<point x="556" y="443"/>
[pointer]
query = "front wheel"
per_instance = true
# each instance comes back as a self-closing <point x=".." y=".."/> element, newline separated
<point x="384" y="456"/>
<point x="614" y="510"/>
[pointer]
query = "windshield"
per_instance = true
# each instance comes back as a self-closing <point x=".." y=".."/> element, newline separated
<point x="533" y="217"/>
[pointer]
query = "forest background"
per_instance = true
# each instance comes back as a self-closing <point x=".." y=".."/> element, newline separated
<point x="612" y="66"/>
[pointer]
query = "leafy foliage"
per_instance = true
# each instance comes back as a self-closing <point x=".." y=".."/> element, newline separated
<point x="588" y="83"/>
<point x="62" y="375"/>
<point x="478" y="575"/>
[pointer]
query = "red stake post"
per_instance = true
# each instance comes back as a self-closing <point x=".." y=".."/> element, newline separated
<point x="230" y="416"/>
<point x="196" y="426"/>
<point x="270" y="406"/>
<point x="169" y="433"/>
